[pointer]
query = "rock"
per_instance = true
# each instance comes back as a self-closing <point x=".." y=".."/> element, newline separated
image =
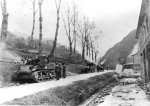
<point x="96" y="101"/>
<point x="119" y="96"/>
<point x="101" y="101"/>
<point x="105" y="93"/>
<point x="124" y="99"/>
<point x="148" y="85"/>
<point x="148" y="93"/>
<point x="131" y="98"/>
<point x="125" y="91"/>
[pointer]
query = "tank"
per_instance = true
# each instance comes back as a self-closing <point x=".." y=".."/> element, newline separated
<point x="35" y="70"/>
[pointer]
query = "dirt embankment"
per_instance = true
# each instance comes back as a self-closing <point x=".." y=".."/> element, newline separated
<point x="73" y="94"/>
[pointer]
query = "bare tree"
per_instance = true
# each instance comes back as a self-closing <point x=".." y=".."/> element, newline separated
<point x="57" y="27"/>
<point x="33" y="26"/>
<point x="90" y="31"/>
<point x="96" y="53"/>
<point x="92" y="49"/>
<point x="89" y="48"/>
<point x="84" y="34"/>
<point x="80" y="35"/>
<point x="94" y="44"/>
<point x="4" y="21"/>
<point x="74" y="23"/>
<point x="67" y="26"/>
<point x="40" y="25"/>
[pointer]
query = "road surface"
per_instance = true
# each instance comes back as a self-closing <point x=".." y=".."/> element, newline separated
<point x="128" y="95"/>
<point x="10" y="93"/>
<point x="122" y="95"/>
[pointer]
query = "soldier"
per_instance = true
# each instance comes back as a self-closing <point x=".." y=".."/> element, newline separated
<point x="64" y="70"/>
<point x="97" y="67"/>
<point x="107" y="68"/>
<point x="60" y="71"/>
<point x="57" y="71"/>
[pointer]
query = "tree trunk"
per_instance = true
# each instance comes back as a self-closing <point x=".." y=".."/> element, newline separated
<point x="70" y="50"/>
<point x="33" y="27"/>
<point x="70" y="40"/>
<point x="56" y="34"/>
<point x="75" y="14"/>
<point x="57" y="28"/>
<point x="74" y="50"/>
<point x="4" y="21"/>
<point x="92" y="54"/>
<point x="40" y="28"/>
<point x="95" y="56"/>
<point x="74" y="35"/>
<point x="83" y="52"/>
<point x="92" y="51"/>
<point x="4" y="27"/>
<point x="89" y="51"/>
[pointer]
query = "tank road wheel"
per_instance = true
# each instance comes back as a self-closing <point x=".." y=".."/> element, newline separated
<point x="52" y="75"/>
<point x="36" y="76"/>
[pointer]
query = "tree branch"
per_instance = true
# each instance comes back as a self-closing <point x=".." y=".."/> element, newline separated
<point x="35" y="11"/>
<point x="59" y="4"/>
<point x="56" y="4"/>
<point x="2" y="8"/>
<point x="65" y="27"/>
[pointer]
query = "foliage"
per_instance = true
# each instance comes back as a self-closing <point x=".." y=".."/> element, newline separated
<point x="6" y="71"/>
<point x="21" y="46"/>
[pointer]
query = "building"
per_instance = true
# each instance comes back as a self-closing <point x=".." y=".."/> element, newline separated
<point x="143" y="36"/>
<point x="134" y="59"/>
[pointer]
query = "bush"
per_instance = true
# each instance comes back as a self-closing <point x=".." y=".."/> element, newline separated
<point x="23" y="77"/>
<point x="75" y="68"/>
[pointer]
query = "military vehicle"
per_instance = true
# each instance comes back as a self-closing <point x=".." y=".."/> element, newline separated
<point x="37" y="70"/>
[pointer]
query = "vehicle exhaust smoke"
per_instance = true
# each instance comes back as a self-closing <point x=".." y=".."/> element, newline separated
<point x="7" y="55"/>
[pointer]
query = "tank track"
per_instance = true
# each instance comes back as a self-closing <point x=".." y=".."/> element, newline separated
<point x="43" y="74"/>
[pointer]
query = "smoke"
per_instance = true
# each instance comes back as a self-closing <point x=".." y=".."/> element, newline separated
<point x="7" y="55"/>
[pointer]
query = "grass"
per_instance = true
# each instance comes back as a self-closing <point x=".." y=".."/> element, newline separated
<point x="75" y="68"/>
<point x="72" y="95"/>
<point x="6" y="71"/>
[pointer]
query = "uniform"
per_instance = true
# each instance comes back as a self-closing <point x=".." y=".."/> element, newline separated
<point x="64" y="71"/>
<point x="57" y="72"/>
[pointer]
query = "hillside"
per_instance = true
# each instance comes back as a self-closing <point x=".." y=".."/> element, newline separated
<point x="20" y="45"/>
<point x="120" y="50"/>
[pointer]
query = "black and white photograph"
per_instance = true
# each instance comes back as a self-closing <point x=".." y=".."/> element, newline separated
<point x="74" y="52"/>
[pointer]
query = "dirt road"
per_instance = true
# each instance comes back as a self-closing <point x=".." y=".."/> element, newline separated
<point x="10" y="93"/>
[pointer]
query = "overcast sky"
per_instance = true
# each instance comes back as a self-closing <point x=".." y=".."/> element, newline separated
<point x="116" y="18"/>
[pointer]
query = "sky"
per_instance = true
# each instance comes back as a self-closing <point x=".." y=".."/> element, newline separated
<point x="116" y="18"/>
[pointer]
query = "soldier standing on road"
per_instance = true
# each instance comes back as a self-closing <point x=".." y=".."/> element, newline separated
<point x="97" y="68"/>
<point x="64" y="70"/>
<point x="107" y="68"/>
<point x="57" y="71"/>
<point x="60" y="71"/>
